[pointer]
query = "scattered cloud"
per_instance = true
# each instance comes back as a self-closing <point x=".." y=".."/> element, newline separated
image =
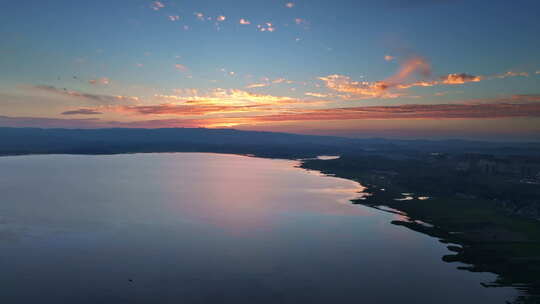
<point x="157" y="5"/>
<point x="460" y="78"/>
<point x="266" y="27"/>
<point x="289" y="4"/>
<point x="358" y="89"/>
<point x="318" y="95"/>
<point x="174" y="18"/>
<point x="82" y="112"/>
<point x="257" y="85"/>
<point x="199" y="16"/>
<point x="389" y="58"/>
<point x="404" y="78"/>
<point x="244" y="21"/>
<point x="221" y="18"/>
<point x="88" y="96"/>
<point x="282" y="80"/>
<point x="450" y="79"/>
<point x="266" y="82"/>
<point x="510" y="74"/>
<point x="410" y="67"/>
<point x="181" y="67"/>
<point x="379" y="89"/>
<point x="100" y="81"/>
<point x="189" y="102"/>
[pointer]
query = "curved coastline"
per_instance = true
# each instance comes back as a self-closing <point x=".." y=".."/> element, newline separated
<point x="492" y="242"/>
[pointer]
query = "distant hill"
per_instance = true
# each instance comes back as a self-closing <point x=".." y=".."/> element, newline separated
<point x="15" y="141"/>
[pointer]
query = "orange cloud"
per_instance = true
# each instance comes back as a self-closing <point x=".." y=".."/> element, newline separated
<point x="413" y="111"/>
<point x="379" y="89"/>
<point x="411" y="67"/>
<point x="460" y="78"/>
<point x="218" y="101"/>
<point x="416" y="67"/>
<point x="389" y="58"/>
<point x="102" y="81"/>
<point x="450" y="79"/>
<point x="231" y="97"/>
<point x="357" y="89"/>
<point x="192" y="111"/>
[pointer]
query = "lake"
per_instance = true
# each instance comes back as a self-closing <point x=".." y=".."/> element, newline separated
<point x="209" y="228"/>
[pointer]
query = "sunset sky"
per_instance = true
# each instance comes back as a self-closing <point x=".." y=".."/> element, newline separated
<point x="391" y="68"/>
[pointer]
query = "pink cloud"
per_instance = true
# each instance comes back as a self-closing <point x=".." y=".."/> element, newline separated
<point x="181" y="67"/>
<point x="157" y="5"/>
<point x="100" y="81"/>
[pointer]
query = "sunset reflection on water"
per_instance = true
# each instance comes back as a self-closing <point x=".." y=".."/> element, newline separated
<point x="253" y="199"/>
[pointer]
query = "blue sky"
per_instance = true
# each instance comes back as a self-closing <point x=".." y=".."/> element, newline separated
<point x="57" y="56"/>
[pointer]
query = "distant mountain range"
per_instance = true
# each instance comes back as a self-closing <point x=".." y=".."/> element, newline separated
<point x="16" y="141"/>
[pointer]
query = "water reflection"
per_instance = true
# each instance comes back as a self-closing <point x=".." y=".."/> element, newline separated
<point x="203" y="228"/>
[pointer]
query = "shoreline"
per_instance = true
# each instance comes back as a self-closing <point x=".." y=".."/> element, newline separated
<point x="477" y="233"/>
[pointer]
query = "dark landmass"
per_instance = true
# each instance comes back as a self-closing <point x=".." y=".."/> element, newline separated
<point x="481" y="198"/>
<point x="488" y="205"/>
<point x="17" y="141"/>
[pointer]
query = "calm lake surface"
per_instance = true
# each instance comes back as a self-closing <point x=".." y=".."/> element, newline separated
<point x="209" y="228"/>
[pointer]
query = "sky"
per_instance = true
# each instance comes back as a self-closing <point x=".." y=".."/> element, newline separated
<point x="388" y="68"/>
